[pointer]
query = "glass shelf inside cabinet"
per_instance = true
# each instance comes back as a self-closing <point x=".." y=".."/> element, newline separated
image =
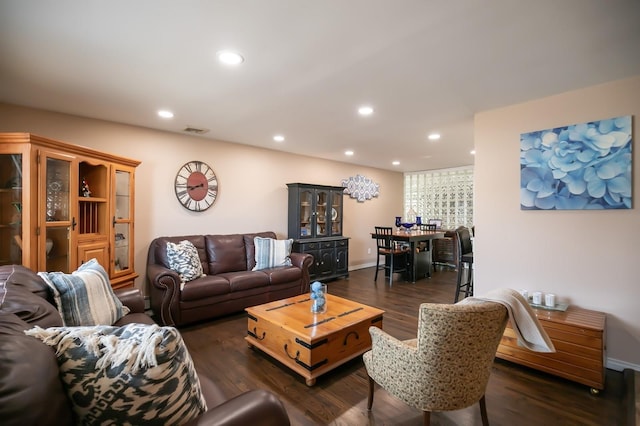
<point x="122" y="194"/>
<point x="57" y="202"/>
<point x="57" y="249"/>
<point x="10" y="209"/>
<point x="122" y="246"/>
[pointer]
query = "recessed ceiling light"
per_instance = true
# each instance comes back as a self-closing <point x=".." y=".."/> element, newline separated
<point x="365" y="110"/>
<point x="349" y="153"/>
<point x="396" y="163"/>
<point x="165" y="114"/>
<point x="472" y="152"/>
<point x="230" y="57"/>
<point x="434" y="136"/>
<point x="278" y="138"/>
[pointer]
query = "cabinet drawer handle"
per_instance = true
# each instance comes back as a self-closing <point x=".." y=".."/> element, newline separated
<point x="255" y="334"/>
<point x="349" y="334"/>
<point x="286" y="351"/>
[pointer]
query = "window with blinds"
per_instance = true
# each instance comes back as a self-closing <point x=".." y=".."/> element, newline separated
<point x="445" y="194"/>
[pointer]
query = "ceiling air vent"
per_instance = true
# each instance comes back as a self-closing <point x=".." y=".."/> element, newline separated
<point x="195" y="130"/>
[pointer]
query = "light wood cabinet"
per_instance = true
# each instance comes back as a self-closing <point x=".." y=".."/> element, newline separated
<point x="579" y="338"/>
<point x="63" y="204"/>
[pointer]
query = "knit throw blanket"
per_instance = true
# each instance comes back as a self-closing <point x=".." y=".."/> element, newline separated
<point x="134" y="349"/>
<point x="528" y="330"/>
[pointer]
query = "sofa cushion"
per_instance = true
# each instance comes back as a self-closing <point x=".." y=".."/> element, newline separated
<point x="241" y="281"/>
<point x="30" y="308"/>
<point x="226" y="253"/>
<point x="25" y="278"/>
<point x="135" y="374"/>
<point x="183" y="258"/>
<point x="207" y="286"/>
<point x="85" y="296"/>
<point x="31" y="392"/>
<point x="271" y="253"/>
<point x="21" y="297"/>
<point x="283" y="275"/>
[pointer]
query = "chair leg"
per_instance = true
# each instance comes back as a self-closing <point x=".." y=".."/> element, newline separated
<point x="391" y="256"/>
<point x="483" y="411"/>
<point x="375" y="278"/>
<point x="370" y="397"/>
<point x="467" y="286"/>
<point x="458" y="281"/>
<point x="426" y="418"/>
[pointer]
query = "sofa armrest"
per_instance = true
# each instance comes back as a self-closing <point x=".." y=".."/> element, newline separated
<point x="131" y="298"/>
<point x="256" y="408"/>
<point x="164" y="292"/>
<point x="302" y="261"/>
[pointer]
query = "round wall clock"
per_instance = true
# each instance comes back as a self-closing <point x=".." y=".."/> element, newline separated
<point x="196" y="186"/>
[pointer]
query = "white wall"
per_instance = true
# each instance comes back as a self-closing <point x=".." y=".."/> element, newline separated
<point x="588" y="258"/>
<point x="252" y="182"/>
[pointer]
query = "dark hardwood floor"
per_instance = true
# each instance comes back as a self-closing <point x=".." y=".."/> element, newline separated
<point x="515" y="395"/>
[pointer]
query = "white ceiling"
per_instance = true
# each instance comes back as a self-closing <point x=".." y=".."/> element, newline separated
<point x="424" y="66"/>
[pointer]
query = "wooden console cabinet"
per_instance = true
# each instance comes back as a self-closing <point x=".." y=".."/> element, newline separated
<point x="579" y="338"/>
<point x="63" y="204"/>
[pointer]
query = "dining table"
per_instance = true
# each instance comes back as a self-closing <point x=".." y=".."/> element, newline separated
<point x="414" y="237"/>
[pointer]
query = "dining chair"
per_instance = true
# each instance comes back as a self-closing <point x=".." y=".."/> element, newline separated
<point x="388" y="250"/>
<point x="464" y="282"/>
<point x="447" y="367"/>
<point x="428" y="227"/>
<point x="436" y="222"/>
<point x="427" y="246"/>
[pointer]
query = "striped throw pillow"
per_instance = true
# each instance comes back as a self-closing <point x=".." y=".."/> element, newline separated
<point x="85" y="296"/>
<point x="271" y="253"/>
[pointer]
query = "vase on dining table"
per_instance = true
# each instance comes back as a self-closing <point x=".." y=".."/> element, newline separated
<point x="398" y="222"/>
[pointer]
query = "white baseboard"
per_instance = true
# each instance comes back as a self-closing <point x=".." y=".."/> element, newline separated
<point x="618" y="365"/>
<point x="361" y="266"/>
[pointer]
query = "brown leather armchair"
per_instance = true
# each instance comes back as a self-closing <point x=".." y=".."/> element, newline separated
<point x="31" y="391"/>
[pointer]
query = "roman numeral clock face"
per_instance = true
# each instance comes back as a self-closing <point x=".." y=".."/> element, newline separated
<point x="196" y="186"/>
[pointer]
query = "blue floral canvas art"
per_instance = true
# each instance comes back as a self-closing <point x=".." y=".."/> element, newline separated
<point x="578" y="167"/>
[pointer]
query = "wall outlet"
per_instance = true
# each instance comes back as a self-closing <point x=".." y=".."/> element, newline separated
<point x="369" y="250"/>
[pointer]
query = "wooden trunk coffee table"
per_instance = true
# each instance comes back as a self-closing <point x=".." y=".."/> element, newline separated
<point x="312" y="344"/>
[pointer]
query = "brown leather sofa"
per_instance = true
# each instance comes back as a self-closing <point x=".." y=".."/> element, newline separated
<point x="31" y="393"/>
<point x="229" y="284"/>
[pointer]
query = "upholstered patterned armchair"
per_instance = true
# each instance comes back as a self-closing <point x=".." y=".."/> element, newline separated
<point x="447" y="366"/>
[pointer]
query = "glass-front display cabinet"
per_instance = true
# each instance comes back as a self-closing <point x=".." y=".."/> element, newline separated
<point x="316" y="226"/>
<point x="122" y="222"/>
<point x="11" y="207"/>
<point x="63" y="204"/>
<point x="315" y="211"/>
<point x="59" y="215"/>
